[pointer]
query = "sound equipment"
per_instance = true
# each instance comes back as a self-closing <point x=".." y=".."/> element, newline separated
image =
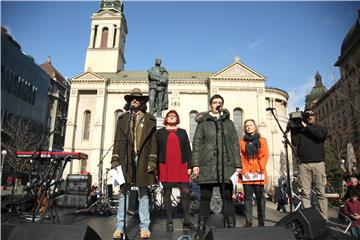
<point x="53" y="155"/>
<point x="305" y="223"/>
<point x="110" y="192"/>
<point x="75" y="201"/>
<point x="254" y="233"/>
<point x="78" y="184"/>
<point x="48" y="231"/>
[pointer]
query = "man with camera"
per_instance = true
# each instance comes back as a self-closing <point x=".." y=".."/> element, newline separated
<point x="309" y="139"/>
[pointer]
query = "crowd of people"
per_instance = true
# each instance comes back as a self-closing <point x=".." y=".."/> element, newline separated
<point x="146" y="155"/>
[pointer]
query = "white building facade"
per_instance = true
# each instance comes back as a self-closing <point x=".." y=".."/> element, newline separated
<point x="97" y="99"/>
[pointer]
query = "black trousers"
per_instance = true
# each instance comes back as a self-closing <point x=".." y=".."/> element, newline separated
<point x="185" y="200"/>
<point x="206" y="194"/>
<point x="249" y="190"/>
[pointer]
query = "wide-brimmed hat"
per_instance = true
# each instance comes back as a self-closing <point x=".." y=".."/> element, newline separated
<point x="136" y="93"/>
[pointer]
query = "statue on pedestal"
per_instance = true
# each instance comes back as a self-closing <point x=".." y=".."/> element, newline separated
<point x="158" y="88"/>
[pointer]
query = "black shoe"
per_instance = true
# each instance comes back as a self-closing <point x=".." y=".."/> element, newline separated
<point x="231" y="222"/>
<point x="200" y="233"/>
<point x="261" y="224"/>
<point x="189" y="225"/>
<point x="248" y="224"/>
<point x="169" y="227"/>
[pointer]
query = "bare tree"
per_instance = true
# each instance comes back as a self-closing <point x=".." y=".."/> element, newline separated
<point x="345" y="122"/>
<point x="19" y="134"/>
<point x="347" y="88"/>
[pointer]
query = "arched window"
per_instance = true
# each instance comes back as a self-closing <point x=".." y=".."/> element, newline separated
<point x="117" y="115"/>
<point x="238" y="121"/>
<point x="192" y="124"/>
<point x="104" y="37"/>
<point x="87" y="117"/>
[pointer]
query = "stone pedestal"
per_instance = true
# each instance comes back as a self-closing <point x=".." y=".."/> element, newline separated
<point x="159" y="122"/>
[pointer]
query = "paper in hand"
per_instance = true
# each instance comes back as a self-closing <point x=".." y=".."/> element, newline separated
<point x="252" y="178"/>
<point x="117" y="176"/>
<point x="234" y="179"/>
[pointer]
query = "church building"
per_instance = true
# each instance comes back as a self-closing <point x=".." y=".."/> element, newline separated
<point x="97" y="97"/>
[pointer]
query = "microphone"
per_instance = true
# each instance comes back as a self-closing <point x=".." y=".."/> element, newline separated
<point x="218" y="108"/>
<point x="270" y="109"/>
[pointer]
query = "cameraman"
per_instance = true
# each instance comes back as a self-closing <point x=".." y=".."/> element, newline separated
<point x="309" y="140"/>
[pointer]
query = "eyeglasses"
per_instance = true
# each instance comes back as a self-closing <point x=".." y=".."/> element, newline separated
<point x="135" y="98"/>
<point x="216" y="102"/>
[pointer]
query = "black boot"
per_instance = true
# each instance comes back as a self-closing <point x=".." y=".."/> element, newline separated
<point x="169" y="227"/>
<point x="188" y="224"/>
<point x="200" y="233"/>
<point x="248" y="224"/>
<point x="261" y="223"/>
<point x="231" y="221"/>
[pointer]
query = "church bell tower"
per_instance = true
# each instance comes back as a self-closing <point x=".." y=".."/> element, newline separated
<point x="107" y="38"/>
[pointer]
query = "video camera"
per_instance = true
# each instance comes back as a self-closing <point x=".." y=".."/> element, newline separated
<point x="295" y="119"/>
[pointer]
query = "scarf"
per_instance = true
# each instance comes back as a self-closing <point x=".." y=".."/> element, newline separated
<point x="252" y="145"/>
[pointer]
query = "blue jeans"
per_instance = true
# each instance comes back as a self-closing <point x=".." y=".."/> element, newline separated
<point x="144" y="212"/>
<point x="355" y="232"/>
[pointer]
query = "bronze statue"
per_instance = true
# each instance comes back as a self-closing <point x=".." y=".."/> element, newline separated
<point x="158" y="88"/>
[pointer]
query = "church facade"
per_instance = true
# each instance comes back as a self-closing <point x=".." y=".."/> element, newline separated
<point x="97" y="98"/>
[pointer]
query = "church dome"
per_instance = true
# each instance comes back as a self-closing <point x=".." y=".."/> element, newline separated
<point x="317" y="92"/>
<point x="351" y="38"/>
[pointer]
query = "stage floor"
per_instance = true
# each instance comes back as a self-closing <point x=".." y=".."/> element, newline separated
<point x="104" y="225"/>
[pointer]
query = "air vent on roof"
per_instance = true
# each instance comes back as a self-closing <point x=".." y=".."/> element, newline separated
<point x="125" y="75"/>
<point x="193" y="76"/>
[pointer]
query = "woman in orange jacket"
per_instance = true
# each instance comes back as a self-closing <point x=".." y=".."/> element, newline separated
<point x="254" y="154"/>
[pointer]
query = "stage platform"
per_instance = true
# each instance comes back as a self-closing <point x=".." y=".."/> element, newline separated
<point x="104" y="225"/>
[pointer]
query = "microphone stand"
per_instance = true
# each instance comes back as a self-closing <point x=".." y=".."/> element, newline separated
<point x="222" y="166"/>
<point x="101" y="164"/>
<point x="123" y="237"/>
<point x="286" y="144"/>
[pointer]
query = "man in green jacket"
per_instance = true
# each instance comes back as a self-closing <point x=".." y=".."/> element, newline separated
<point x="216" y="157"/>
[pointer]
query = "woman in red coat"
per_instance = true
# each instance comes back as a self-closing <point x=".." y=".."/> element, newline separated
<point x="174" y="158"/>
<point x="254" y="154"/>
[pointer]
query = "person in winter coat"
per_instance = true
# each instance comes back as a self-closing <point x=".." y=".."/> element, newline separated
<point x="174" y="159"/>
<point x="215" y="145"/>
<point x="254" y="154"/>
<point x="352" y="210"/>
<point x="136" y="141"/>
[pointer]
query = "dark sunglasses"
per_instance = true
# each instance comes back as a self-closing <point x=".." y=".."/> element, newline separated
<point x="135" y="98"/>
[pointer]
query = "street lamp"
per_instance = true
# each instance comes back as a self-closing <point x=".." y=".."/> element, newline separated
<point x="343" y="172"/>
<point x="3" y="154"/>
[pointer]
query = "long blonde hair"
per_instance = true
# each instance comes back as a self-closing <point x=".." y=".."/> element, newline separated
<point x="256" y="127"/>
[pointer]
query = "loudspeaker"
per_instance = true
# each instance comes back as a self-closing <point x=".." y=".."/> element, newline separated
<point x="50" y="231"/>
<point x="254" y="233"/>
<point x="305" y="223"/>
<point x="77" y="201"/>
<point x="72" y="201"/>
<point x="110" y="191"/>
<point x="78" y="184"/>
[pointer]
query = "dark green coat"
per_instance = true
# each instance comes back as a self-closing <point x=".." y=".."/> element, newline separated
<point x="147" y="152"/>
<point x="207" y="152"/>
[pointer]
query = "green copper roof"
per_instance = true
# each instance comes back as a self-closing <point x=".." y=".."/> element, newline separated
<point x="112" y="5"/>
<point x="143" y="75"/>
<point x="317" y="92"/>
